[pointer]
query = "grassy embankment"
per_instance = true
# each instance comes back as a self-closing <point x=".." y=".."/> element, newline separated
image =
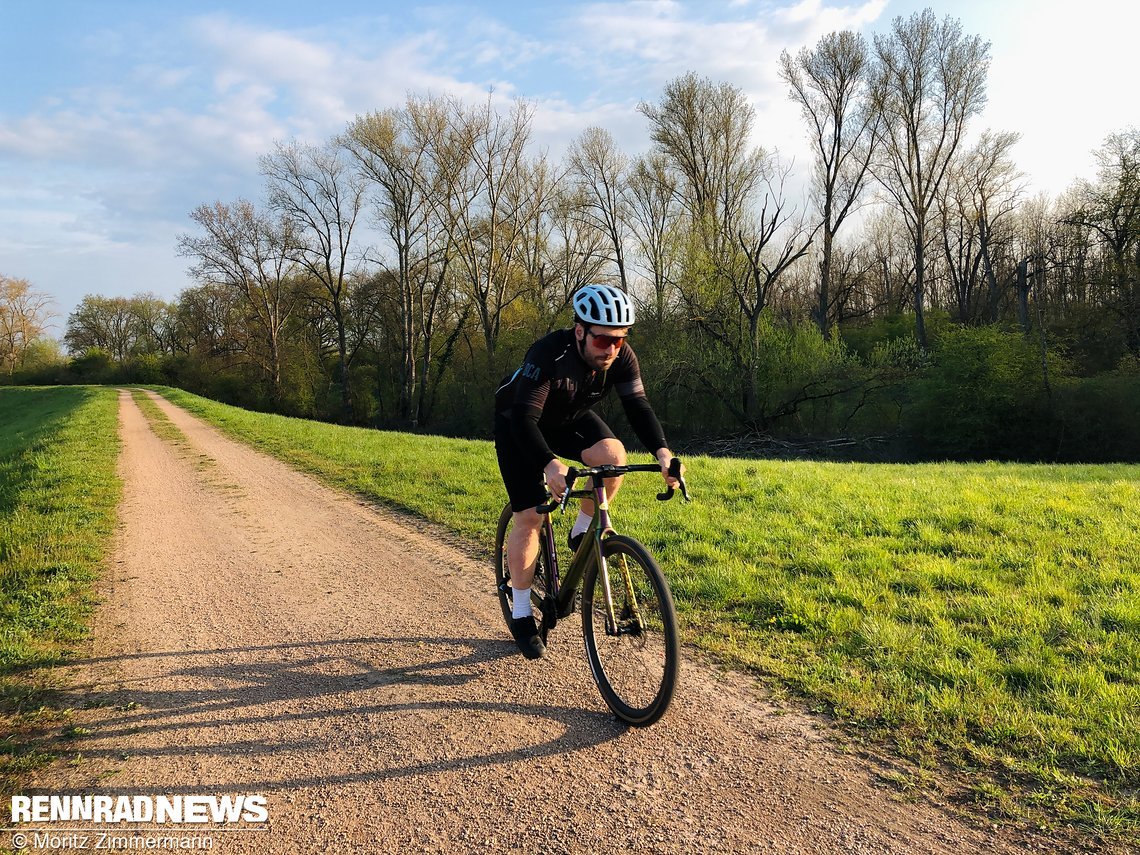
<point x="58" y="493"/>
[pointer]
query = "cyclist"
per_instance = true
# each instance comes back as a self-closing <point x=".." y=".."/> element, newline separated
<point x="543" y="412"/>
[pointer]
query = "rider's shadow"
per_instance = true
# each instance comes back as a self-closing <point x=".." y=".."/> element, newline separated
<point x="261" y="692"/>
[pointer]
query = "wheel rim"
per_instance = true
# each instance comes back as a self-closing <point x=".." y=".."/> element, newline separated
<point x="633" y="658"/>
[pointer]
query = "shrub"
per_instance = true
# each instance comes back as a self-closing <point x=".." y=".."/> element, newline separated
<point x="984" y="395"/>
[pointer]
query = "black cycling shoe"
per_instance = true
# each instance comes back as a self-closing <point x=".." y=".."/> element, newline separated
<point x="525" y="631"/>
<point x="575" y="540"/>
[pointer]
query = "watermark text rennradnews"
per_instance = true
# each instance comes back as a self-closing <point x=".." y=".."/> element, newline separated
<point x="162" y="810"/>
<point x="168" y="822"/>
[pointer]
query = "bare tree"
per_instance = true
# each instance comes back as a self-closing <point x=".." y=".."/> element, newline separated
<point x="980" y="193"/>
<point x="317" y="192"/>
<point x="655" y="218"/>
<point x="534" y="194"/>
<point x="932" y="81"/>
<point x="704" y="130"/>
<point x="399" y="152"/>
<point x="24" y="316"/>
<point x="598" y="167"/>
<point x="833" y="85"/>
<point x="246" y="250"/>
<point x="1109" y="209"/>
<point x="576" y="250"/>
<point x="891" y="256"/>
<point x="769" y="243"/>
<point x="483" y="213"/>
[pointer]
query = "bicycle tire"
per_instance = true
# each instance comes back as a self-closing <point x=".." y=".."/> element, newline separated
<point x="503" y="576"/>
<point x="636" y="670"/>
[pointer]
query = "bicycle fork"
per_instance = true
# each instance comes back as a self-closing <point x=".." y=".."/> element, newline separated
<point x="629" y="622"/>
<point x="615" y="625"/>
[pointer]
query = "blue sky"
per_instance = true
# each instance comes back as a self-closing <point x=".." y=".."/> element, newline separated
<point x="118" y="118"/>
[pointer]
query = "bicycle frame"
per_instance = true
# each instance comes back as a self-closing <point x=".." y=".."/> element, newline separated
<point x="562" y="592"/>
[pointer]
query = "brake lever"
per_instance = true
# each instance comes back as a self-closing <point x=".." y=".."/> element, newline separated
<point x="571" y="477"/>
<point x="675" y="472"/>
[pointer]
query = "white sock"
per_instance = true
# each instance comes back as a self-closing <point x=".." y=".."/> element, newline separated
<point x="521" y="605"/>
<point x="580" y="524"/>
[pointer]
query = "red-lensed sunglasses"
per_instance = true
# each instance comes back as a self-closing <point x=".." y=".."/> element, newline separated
<point x="605" y="340"/>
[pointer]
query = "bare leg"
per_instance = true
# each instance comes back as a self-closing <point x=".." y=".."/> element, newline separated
<point x="522" y="547"/>
<point x="604" y="451"/>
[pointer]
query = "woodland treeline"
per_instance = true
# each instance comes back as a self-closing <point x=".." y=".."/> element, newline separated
<point x="910" y="290"/>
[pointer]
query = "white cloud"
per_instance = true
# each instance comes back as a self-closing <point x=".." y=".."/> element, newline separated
<point x="643" y="45"/>
<point x="178" y="115"/>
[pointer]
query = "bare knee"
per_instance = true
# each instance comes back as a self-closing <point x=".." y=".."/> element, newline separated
<point x="605" y="451"/>
<point x="528" y="520"/>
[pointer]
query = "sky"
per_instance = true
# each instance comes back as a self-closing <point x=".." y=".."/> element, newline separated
<point x="119" y="117"/>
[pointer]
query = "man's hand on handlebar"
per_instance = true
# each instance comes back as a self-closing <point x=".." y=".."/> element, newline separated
<point x="665" y="457"/>
<point x="555" y="472"/>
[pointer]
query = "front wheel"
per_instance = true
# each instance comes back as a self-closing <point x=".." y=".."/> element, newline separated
<point x="635" y="656"/>
<point x="503" y="575"/>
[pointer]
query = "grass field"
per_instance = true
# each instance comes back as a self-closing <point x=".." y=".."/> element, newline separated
<point x="58" y="493"/>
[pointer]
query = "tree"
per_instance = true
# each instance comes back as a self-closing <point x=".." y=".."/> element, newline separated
<point x="974" y="206"/>
<point x="484" y="152"/>
<point x="206" y="317"/>
<point x="403" y="155"/>
<point x="932" y="80"/>
<point x="1109" y="209"/>
<point x="576" y="250"/>
<point x="738" y="246"/>
<point x="110" y="324"/>
<point x="24" y="317"/>
<point x="154" y="325"/>
<point x="768" y="242"/>
<point x="249" y="252"/>
<point x="704" y="131"/>
<point x="891" y="256"/>
<point x="833" y="85"/>
<point x="655" y="220"/>
<point x="598" y="168"/>
<point x="321" y="198"/>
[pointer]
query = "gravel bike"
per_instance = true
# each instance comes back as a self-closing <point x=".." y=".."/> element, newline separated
<point x="628" y="619"/>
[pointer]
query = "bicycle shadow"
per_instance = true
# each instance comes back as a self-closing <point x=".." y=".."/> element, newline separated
<point x="174" y="697"/>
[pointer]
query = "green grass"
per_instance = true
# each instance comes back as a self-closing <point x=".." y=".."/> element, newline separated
<point x="58" y="493"/>
<point x="982" y="618"/>
<point x="159" y="423"/>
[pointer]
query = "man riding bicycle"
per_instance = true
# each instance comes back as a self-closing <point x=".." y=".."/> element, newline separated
<point x="544" y="411"/>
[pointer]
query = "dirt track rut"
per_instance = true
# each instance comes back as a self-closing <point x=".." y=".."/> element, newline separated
<point x="261" y="633"/>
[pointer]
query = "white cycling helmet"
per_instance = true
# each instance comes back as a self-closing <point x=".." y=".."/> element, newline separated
<point x="604" y="306"/>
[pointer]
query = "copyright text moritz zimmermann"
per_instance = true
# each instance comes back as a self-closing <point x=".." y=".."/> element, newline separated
<point x="111" y="840"/>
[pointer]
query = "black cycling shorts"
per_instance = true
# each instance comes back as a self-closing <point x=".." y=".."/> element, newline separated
<point x="522" y="476"/>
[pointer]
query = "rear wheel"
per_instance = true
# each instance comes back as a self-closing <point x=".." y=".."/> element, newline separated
<point x="503" y="575"/>
<point x="635" y="661"/>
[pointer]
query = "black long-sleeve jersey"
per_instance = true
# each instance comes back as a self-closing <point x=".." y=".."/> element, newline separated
<point x="554" y="386"/>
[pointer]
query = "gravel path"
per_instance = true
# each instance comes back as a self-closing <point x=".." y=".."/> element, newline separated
<point x="261" y="633"/>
